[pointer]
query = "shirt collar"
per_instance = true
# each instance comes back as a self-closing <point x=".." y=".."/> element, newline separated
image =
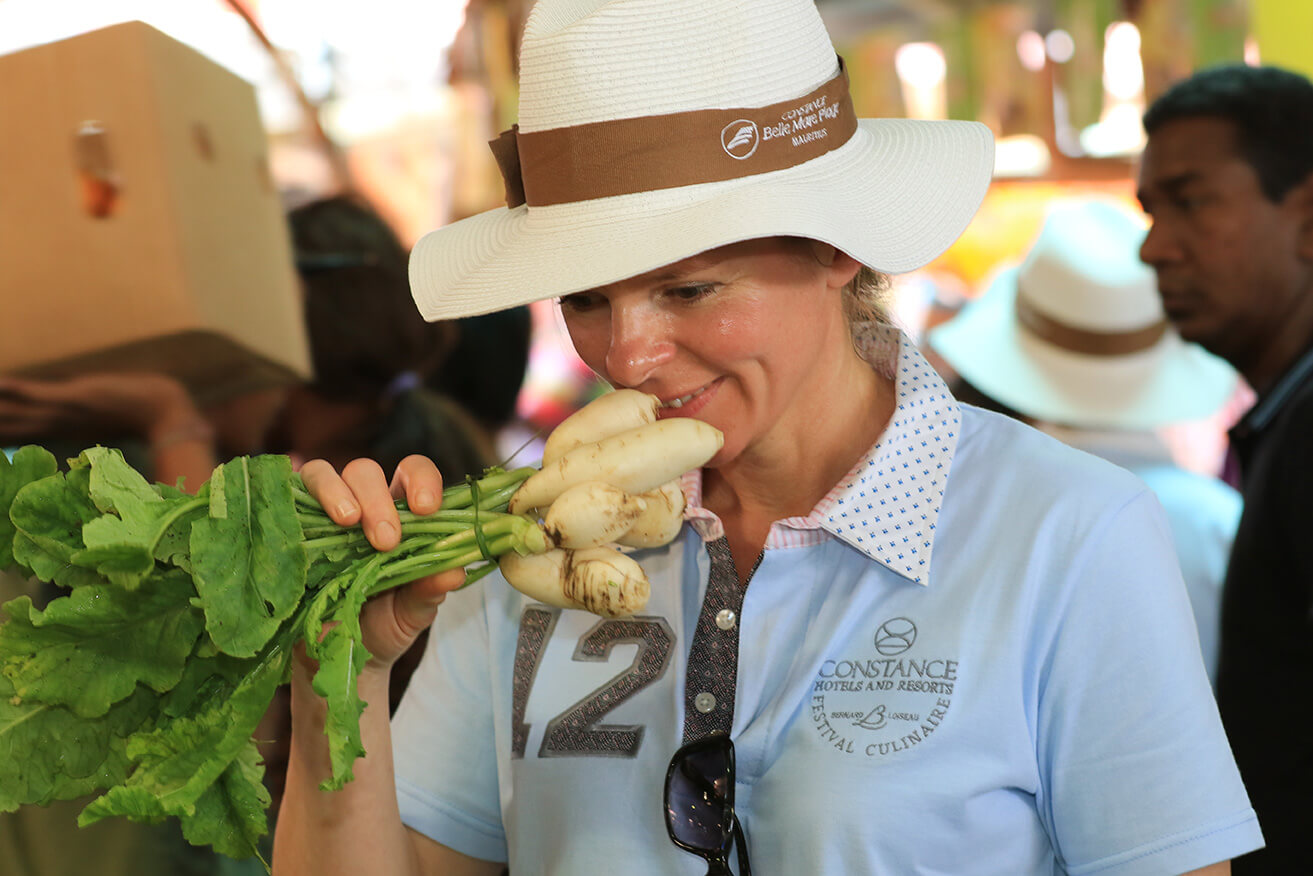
<point x="1261" y="415"/>
<point x="888" y="504"/>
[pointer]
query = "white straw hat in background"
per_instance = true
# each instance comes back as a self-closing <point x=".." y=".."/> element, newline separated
<point x="652" y="130"/>
<point x="1076" y="335"/>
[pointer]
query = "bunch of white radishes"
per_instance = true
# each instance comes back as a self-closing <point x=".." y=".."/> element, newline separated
<point x="609" y="479"/>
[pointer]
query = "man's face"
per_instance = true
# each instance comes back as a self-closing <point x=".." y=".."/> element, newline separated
<point x="1227" y="258"/>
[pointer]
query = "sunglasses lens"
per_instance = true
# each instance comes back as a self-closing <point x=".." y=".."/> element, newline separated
<point x="698" y="806"/>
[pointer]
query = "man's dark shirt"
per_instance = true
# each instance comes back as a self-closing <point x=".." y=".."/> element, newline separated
<point x="1265" y="671"/>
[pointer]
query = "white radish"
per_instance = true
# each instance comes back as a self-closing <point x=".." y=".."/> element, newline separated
<point x="601" y="580"/>
<point x="636" y="461"/>
<point x="591" y="514"/>
<point x="604" y="416"/>
<point x="661" y="520"/>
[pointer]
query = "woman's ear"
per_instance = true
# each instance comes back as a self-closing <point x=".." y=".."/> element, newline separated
<point x="840" y="266"/>
<point x="824" y="253"/>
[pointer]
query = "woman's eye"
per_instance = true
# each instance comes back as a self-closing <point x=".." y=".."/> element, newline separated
<point x="694" y="292"/>
<point x="578" y="302"/>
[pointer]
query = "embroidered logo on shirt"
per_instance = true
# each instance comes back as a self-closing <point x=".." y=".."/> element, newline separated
<point x="895" y="636"/>
<point x="885" y="701"/>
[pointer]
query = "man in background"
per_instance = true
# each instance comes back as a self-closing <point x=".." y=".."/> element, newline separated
<point x="1228" y="178"/>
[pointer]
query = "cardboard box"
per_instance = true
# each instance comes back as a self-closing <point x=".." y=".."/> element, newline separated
<point x="139" y="225"/>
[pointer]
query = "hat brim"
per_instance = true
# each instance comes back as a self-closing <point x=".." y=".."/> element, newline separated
<point x="894" y="197"/>
<point x="1171" y="382"/>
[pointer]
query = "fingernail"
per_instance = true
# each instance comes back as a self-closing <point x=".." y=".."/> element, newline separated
<point x="346" y="509"/>
<point x="424" y="498"/>
<point x="384" y="532"/>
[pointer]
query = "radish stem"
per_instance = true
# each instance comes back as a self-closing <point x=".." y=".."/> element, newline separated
<point x="450" y="538"/>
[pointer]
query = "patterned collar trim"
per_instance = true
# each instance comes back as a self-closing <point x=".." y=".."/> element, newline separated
<point x="888" y="505"/>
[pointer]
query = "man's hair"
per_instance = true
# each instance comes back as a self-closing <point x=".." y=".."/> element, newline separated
<point x="1270" y="108"/>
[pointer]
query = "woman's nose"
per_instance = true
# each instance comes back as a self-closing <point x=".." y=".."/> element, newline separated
<point x="640" y="344"/>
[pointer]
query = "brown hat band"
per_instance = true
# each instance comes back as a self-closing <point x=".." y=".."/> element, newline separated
<point x="625" y="156"/>
<point x="1076" y="340"/>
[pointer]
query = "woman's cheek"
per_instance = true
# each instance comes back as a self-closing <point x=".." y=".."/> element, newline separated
<point x="736" y="334"/>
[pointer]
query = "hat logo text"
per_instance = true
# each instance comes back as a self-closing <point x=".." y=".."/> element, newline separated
<point x="740" y="138"/>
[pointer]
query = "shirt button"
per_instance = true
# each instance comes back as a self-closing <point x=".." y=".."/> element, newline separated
<point x="704" y="702"/>
<point x="725" y="619"/>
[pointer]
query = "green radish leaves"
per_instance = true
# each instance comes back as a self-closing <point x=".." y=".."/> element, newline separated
<point x="230" y="814"/>
<point x="147" y="678"/>
<point x="48" y="516"/>
<point x="177" y="762"/>
<point x="123" y="543"/>
<point x="48" y="753"/>
<point x="29" y="464"/>
<point x="341" y="654"/>
<point x="90" y="649"/>
<point x="247" y="558"/>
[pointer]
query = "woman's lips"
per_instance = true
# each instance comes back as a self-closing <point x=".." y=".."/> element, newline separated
<point x="689" y="404"/>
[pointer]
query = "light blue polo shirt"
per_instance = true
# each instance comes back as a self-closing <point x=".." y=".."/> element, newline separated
<point x="976" y="656"/>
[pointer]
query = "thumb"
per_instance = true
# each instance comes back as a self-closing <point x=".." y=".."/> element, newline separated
<point x="416" y="605"/>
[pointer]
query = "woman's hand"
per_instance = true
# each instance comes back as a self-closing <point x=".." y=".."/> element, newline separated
<point x="357" y="829"/>
<point x="361" y="494"/>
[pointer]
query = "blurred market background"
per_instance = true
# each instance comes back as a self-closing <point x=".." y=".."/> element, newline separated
<point x="396" y="100"/>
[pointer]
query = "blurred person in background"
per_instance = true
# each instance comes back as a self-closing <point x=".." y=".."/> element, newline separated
<point x="373" y="355"/>
<point x="1227" y="176"/>
<point x="1074" y="342"/>
<point x="151" y="416"/>
<point x="486" y="370"/>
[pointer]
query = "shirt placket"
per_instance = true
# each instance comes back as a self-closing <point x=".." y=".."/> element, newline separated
<point x="713" y="659"/>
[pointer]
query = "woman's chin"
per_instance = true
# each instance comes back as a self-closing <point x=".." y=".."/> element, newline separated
<point x="724" y="456"/>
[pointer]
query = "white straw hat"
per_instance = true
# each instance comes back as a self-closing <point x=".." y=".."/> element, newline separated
<point x="1076" y="334"/>
<point x="652" y="130"/>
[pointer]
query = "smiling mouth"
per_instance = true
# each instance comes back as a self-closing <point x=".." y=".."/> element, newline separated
<point x="684" y="399"/>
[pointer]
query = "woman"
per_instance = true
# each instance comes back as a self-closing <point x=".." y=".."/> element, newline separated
<point x="905" y="636"/>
